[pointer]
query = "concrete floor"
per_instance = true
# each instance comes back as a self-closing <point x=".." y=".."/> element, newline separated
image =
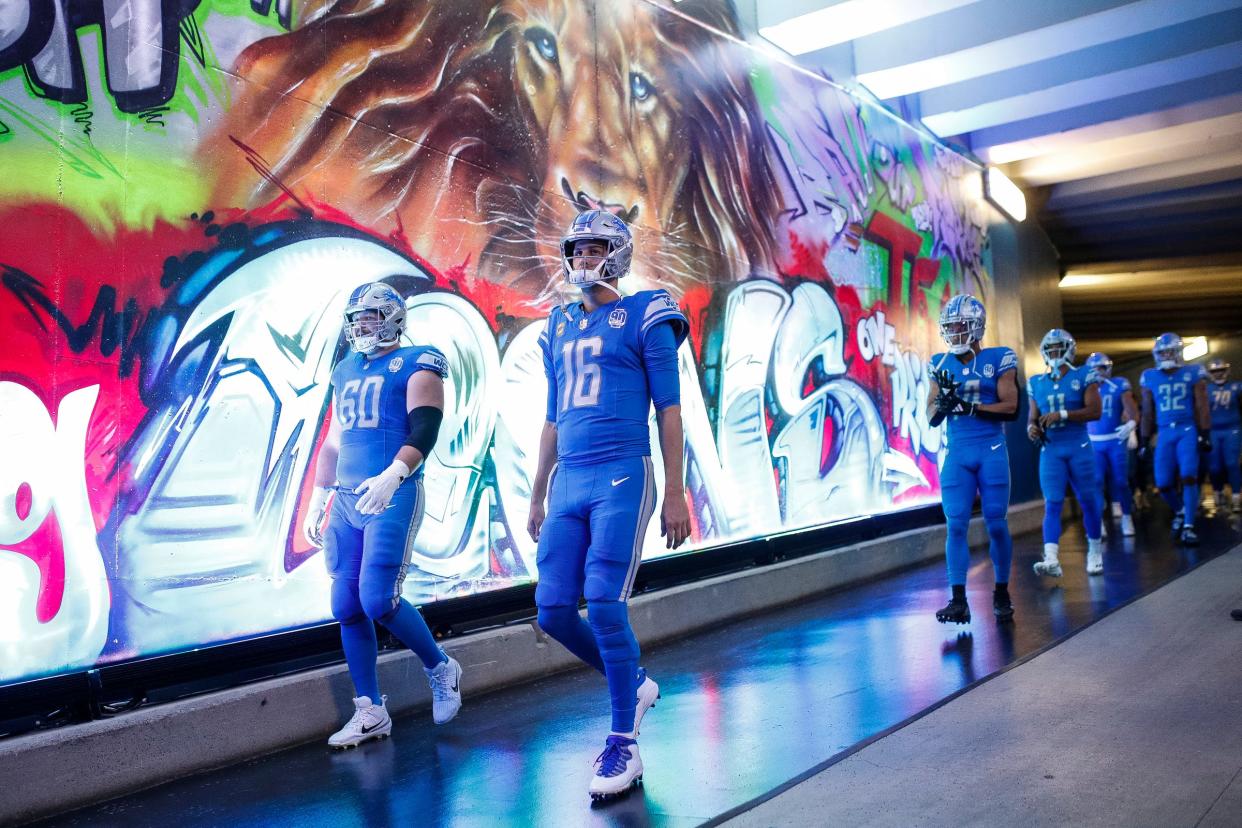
<point x="1137" y="721"/>
<point x="752" y="706"/>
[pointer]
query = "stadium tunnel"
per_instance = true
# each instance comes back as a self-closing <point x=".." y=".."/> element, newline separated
<point x="804" y="679"/>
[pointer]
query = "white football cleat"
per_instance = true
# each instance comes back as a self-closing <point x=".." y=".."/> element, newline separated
<point x="1127" y="526"/>
<point x="1049" y="566"/>
<point x="618" y="768"/>
<point x="648" y="692"/>
<point x="1117" y="510"/>
<point x="1237" y="503"/>
<point x="445" y="681"/>
<point x="370" y="721"/>
<point x="1095" y="557"/>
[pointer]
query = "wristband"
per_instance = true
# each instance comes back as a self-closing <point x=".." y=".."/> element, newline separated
<point x="1064" y="414"/>
<point x="319" y="498"/>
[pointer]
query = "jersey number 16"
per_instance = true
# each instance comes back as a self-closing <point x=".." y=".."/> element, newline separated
<point x="582" y="376"/>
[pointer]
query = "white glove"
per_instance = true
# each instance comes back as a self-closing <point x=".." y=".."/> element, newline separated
<point x="312" y="527"/>
<point x="377" y="491"/>
<point x="1125" y="429"/>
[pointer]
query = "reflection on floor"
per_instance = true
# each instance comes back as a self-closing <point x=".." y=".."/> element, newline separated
<point x="744" y="709"/>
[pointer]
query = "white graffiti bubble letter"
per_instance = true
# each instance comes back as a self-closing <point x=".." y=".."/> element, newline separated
<point x="43" y="478"/>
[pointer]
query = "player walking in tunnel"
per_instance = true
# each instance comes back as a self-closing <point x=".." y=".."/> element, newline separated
<point x="1175" y="402"/>
<point x="1225" y="397"/>
<point x="607" y="358"/>
<point x="1063" y="401"/>
<point x="387" y="405"/>
<point x="1110" y="436"/>
<point x="976" y="390"/>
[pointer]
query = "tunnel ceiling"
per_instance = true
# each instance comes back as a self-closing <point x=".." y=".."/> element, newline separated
<point x="1122" y="122"/>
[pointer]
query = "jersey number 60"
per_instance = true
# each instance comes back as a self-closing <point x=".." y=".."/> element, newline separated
<point x="360" y="403"/>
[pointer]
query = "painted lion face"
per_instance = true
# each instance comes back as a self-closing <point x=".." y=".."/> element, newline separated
<point x="480" y="129"/>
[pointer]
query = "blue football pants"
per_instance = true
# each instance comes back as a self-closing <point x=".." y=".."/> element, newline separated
<point x="983" y="467"/>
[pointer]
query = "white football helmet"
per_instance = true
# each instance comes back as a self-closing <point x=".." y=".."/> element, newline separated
<point x="383" y="327"/>
<point x="1168" y="351"/>
<point x="602" y="226"/>
<point x="962" y="322"/>
<point x="1058" y="348"/>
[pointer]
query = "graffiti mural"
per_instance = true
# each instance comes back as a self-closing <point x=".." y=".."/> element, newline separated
<point x="194" y="188"/>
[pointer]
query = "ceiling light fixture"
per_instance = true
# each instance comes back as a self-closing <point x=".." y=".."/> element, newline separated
<point x="1195" y="347"/>
<point x="998" y="189"/>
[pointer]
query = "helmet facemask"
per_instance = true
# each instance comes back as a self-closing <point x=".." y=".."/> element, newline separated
<point x="595" y="267"/>
<point x="960" y="334"/>
<point x="374" y="319"/>
<point x="1218" y="370"/>
<point x="1057" y="349"/>
<point x="1168" y="352"/>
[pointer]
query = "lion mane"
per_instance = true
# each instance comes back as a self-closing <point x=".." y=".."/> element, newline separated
<point x="412" y="116"/>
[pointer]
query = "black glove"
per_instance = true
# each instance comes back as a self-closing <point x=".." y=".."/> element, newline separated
<point x="1205" y="441"/>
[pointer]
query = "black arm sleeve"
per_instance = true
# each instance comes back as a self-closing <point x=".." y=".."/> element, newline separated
<point x="996" y="415"/>
<point x="424" y="427"/>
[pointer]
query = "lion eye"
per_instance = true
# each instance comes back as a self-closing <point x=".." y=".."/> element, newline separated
<point x="640" y="87"/>
<point x="545" y="43"/>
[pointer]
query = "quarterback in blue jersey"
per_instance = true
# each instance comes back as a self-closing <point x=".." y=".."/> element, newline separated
<point x="1111" y="437"/>
<point x="1175" y="403"/>
<point x="1063" y="401"/>
<point x="1225" y="399"/>
<point x="976" y="390"/>
<point x="608" y="358"/>
<point x="387" y="405"/>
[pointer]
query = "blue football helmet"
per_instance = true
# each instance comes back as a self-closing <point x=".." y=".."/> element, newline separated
<point x="962" y="321"/>
<point x="1168" y="351"/>
<point x="1100" y="364"/>
<point x="602" y="226"/>
<point x="1058" y="348"/>
<point x="1218" y="370"/>
<point x="374" y="317"/>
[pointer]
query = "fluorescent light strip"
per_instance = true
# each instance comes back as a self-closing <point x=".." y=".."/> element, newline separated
<point x="1040" y="44"/>
<point x="1194" y="348"/>
<point x="1087" y="90"/>
<point x="849" y="21"/>
<point x="1006" y="195"/>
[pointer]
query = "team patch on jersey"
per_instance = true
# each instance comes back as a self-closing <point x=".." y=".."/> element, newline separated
<point x="617" y="318"/>
<point x="582" y="324"/>
<point x="439" y="363"/>
<point x="1076" y="385"/>
<point x="989" y="370"/>
<point x="394" y="364"/>
<point x="560" y="328"/>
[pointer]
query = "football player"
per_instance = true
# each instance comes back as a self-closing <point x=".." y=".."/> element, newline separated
<point x="976" y="389"/>
<point x="387" y="405"/>
<point x="1110" y="436"/>
<point x="607" y="358"/>
<point x="1226" y="404"/>
<point x="1175" y="401"/>
<point x="1063" y="401"/>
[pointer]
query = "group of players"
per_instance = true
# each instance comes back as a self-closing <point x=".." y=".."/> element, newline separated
<point x="608" y="358"/>
<point x="1084" y="421"/>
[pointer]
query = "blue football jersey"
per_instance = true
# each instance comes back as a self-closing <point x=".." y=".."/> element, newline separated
<point x="368" y="401"/>
<point x="977" y="381"/>
<point x="1173" y="393"/>
<point x="1223" y="400"/>
<point x="594" y="363"/>
<point x="1111" y="408"/>
<point x="1052" y="392"/>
